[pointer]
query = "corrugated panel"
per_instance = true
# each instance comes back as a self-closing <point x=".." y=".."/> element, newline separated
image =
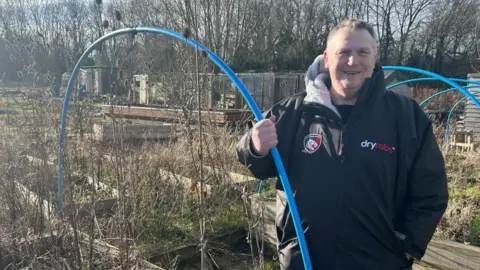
<point x="402" y="89"/>
<point x="472" y="112"/>
<point x="472" y="123"/>
<point x="285" y="86"/>
<point x="471" y="117"/>
<point x="472" y="127"/>
<point x="472" y="108"/>
<point x="471" y="104"/>
<point x="261" y="87"/>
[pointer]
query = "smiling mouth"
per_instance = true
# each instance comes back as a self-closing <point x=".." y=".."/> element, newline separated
<point x="352" y="72"/>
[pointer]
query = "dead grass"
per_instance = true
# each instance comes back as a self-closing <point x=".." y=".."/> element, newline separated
<point x="154" y="212"/>
<point x="461" y="220"/>
<point x="441" y="102"/>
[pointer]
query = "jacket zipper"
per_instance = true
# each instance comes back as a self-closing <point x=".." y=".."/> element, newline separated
<point x="340" y="122"/>
<point x="342" y="142"/>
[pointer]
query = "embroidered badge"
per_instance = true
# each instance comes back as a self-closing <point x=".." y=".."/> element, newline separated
<point x="312" y="142"/>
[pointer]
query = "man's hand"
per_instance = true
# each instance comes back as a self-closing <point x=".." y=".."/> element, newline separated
<point x="264" y="136"/>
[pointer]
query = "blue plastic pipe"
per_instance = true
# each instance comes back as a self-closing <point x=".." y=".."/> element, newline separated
<point x="434" y="76"/>
<point x="450" y="114"/>
<point x="444" y="92"/>
<point x="226" y="69"/>
<point x="430" y="79"/>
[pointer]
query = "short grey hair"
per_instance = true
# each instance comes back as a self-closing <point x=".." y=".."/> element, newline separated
<point x="353" y="24"/>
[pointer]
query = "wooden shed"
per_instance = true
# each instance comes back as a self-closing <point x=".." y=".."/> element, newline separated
<point x="392" y="77"/>
<point x="98" y="80"/>
<point x="472" y="112"/>
<point x="269" y="88"/>
<point x="265" y="88"/>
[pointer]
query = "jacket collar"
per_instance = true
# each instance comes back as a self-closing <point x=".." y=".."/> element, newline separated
<point x="318" y="89"/>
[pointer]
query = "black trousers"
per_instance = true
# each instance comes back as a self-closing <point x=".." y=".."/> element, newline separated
<point x="290" y="258"/>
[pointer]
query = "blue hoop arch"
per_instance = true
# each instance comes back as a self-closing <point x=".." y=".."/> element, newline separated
<point x="238" y="83"/>
<point x="434" y="76"/>
<point x="450" y="114"/>
<point x="431" y="79"/>
<point x="444" y="92"/>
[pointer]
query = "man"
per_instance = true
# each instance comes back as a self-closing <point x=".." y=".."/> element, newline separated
<point x="368" y="176"/>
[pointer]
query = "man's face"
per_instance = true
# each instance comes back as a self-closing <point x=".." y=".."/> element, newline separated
<point x="350" y="58"/>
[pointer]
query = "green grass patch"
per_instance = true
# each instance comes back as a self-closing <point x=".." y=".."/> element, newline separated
<point x="467" y="192"/>
<point x="163" y="231"/>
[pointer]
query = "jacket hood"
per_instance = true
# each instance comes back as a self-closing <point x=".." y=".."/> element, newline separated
<point x="318" y="83"/>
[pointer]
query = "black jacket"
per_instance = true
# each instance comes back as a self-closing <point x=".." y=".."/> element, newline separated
<point x="368" y="191"/>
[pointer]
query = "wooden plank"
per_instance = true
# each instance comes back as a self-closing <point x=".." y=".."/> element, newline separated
<point x="185" y="182"/>
<point x="474" y="113"/>
<point x="473" y="128"/>
<point x="27" y="248"/>
<point x="42" y="243"/>
<point x="217" y="117"/>
<point x="112" y="251"/>
<point x="234" y="177"/>
<point x="264" y="209"/>
<point x="188" y="183"/>
<point x="90" y="180"/>
<point x="39" y="162"/>
<point x="86" y="208"/>
<point x="188" y="251"/>
<point x="83" y="208"/>
<point x="99" y="185"/>
<point x="423" y="266"/>
<point x="109" y="131"/>
<point x="472" y="119"/>
<point x="53" y="219"/>
<point x="35" y="200"/>
<point x="463" y="144"/>
<point x="451" y="255"/>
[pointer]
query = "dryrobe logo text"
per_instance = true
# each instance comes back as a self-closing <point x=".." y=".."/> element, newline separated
<point x="379" y="146"/>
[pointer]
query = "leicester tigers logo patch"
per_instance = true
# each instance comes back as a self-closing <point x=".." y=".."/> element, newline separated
<point x="312" y="142"/>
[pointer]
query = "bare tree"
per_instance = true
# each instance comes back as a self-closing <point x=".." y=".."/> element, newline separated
<point x="408" y="17"/>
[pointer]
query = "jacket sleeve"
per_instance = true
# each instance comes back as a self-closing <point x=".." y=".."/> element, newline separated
<point x="427" y="191"/>
<point x="288" y="117"/>
<point x="262" y="167"/>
